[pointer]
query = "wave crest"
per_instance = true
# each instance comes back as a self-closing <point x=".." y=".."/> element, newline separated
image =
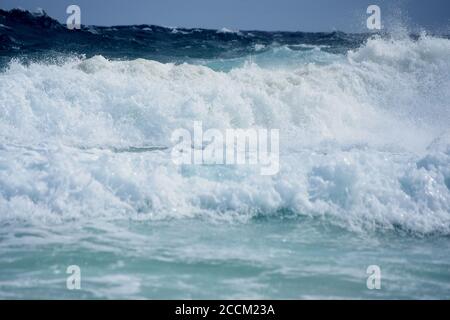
<point x="354" y="137"/>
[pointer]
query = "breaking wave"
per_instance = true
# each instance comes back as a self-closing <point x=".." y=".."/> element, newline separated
<point x="364" y="138"/>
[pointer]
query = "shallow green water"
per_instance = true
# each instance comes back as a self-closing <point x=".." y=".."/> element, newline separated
<point x="197" y="259"/>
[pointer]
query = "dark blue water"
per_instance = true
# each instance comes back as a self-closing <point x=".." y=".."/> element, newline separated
<point x="32" y="35"/>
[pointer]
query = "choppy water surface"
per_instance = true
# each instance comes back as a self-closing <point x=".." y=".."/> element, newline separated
<point x="86" y="176"/>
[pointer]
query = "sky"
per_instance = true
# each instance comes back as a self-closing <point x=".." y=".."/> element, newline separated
<point x="288" y="15"/>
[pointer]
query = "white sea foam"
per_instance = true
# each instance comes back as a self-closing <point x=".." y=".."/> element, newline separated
<point x="226" y="30"/>
<point x="364" y="140"/>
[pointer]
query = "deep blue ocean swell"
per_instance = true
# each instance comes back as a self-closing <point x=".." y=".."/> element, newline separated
<point x="31" y="35"/>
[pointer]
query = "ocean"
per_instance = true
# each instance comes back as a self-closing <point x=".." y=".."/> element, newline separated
<point x="87" y="177"/>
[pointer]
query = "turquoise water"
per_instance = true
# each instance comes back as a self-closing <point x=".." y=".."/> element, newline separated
<point x="194" y="259"/>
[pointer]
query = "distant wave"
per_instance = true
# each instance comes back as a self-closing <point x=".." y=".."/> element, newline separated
<point x="28" y="34"/>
